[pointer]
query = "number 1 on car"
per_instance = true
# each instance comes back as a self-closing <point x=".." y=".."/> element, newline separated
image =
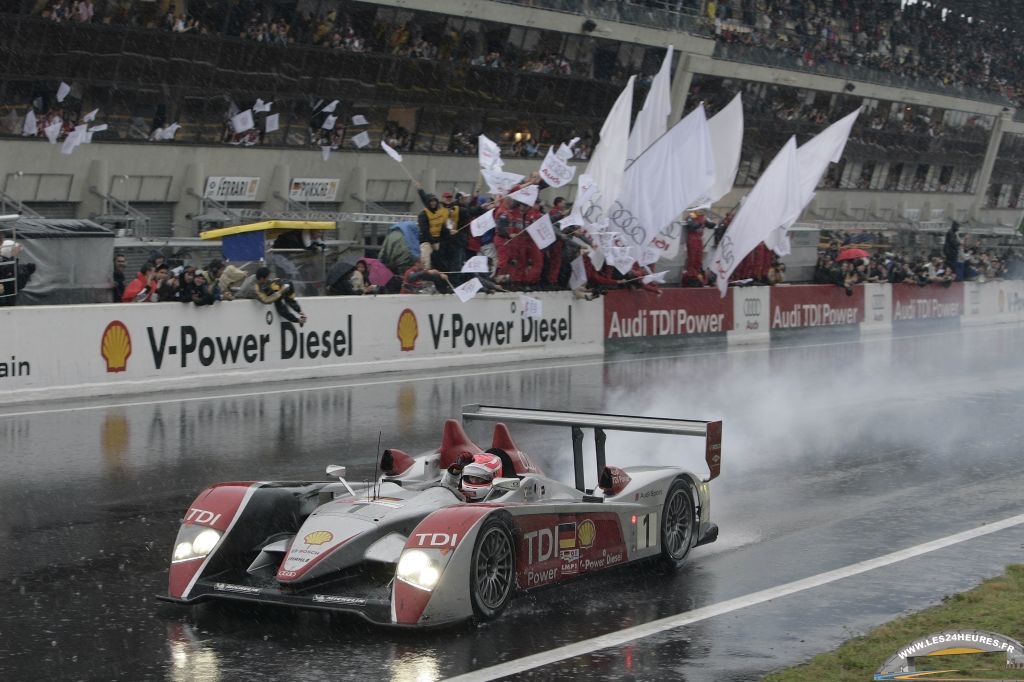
<point x="646" y="527"/>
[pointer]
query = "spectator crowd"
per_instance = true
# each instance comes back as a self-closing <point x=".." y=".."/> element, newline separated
<point x="918" y="41"/>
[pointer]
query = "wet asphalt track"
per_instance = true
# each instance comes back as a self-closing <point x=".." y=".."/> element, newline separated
<point x="834" y="452"/>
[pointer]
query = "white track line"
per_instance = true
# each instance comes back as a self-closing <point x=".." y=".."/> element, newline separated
<point x="621" y="637"/>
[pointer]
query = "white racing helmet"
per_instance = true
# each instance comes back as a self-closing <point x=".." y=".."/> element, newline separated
<point x="478" y="476"/>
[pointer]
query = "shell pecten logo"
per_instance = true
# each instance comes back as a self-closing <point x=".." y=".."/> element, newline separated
<point x="586" y="533"/>
<point x="318" y="537"/>
<point x="407" y="330"/>
<point x="116" y="346"/>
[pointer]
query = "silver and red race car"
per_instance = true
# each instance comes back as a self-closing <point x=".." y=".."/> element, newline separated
<point x="410" y="550"/>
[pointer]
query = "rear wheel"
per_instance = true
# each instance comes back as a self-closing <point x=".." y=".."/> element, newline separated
<point x="677" y="524"/>
<point x="492" y="569"/>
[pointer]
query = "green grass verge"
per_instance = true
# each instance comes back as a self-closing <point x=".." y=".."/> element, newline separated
<point x="997" y="605"/>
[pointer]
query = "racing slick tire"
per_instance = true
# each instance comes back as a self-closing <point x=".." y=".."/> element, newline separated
<point x="492" y="571"/>
<point x="678" y="524"/>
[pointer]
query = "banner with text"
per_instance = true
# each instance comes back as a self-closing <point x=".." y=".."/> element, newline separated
<point x="798" y="306"/>
<point x="912" y="303"/>
<point x="149" y="346"/>
<point x="631" y="314"/>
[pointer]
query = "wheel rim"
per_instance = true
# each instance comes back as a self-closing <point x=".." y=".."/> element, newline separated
<point x="678" y="524"/>
<point x="494" y="569"/>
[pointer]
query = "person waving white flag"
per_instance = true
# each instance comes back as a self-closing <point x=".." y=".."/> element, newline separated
<point x="773" y="200"/>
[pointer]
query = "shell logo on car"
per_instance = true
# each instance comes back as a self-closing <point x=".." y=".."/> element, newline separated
<point x="408" y="329"/>
<point x="586" y="533"/>
<point x="116" y="346"/>
<point x="318" y="537"/>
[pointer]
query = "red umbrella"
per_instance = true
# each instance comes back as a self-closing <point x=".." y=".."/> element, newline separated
<point x="377" y="272"/>
<point x="852" y="254"/>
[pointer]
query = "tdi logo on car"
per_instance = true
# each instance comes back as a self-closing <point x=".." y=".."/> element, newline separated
<point x="436" y="539"/>
<point x="540" y="547"/>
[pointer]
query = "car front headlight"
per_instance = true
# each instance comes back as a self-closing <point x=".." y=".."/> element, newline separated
<point x="195" y="542"/>
<point x="418" y="569"/>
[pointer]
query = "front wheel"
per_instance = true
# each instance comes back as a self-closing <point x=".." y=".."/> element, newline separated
<point x="492" y="569"/>
<point x="677" y="524"/>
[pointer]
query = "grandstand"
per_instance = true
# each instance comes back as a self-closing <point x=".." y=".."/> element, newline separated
<point x="938" y="138"/>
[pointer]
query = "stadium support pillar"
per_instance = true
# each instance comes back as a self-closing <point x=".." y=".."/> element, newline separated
<point x="680" y="87"/>
<point x="98" y="176"/>
<point x="280" y="180"/>
<point x="193" y="183"/>
<point x="985" y="176"/>
<point x="353" y="199"/>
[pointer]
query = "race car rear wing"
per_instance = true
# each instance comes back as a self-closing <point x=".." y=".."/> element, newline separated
<point x="577" y="421"/>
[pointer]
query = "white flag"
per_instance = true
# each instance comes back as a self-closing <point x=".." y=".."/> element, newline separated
<point x="325" y="153"/>
<point x="620" y="258"/>
<point x="102" y="127"/>
<point x="31" y="126"/>
<point x="500" y="182"/>
<point x="587" y="189"/>
<point x="555" y="171"/>
<point x="261" y="106"/>
<point x="53" y="130"/>
<point x="579" y="273"/>
<point x="726" y="131"/>
<point x="668" y="240"/>
<point x="489" y="153"/>
<point x="389" y="150"/>
<point x="272" y="123"/>
<point x="329" y="122"/>
<point x="359" y="120"/>
<point x="813" y="158"/>
<point x="476" y="264"/>
<point x="361" y="140"/>
<point x="652" y="121"/>
<point x="91" y="116"/>
<point x="531" y="307"/>
<point x="330" y="107"/>
<point x="468" y="289"/>
<point x="542" y="231"/>
<point x="527" y="195"/>
<point x="243" y="121"/>
<point x="665" y="180"/>
<point x="648" y="255"/>
<point x="657" y="277"/>
<point x="565" y="150"/>
<point x="482" y="224"/>
<point x="74" y="138"/>
<point x="596" y="258"/>
<point x="63" y="90"/>
<point x="608" y="162"/>
<point x="774" y="199"/>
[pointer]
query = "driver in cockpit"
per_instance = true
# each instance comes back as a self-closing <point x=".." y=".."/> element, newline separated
<point x="473" y="478"/>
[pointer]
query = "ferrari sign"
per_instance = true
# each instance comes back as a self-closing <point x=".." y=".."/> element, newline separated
<point x="225" y="188"/>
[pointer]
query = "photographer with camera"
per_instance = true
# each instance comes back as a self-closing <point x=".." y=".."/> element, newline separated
<point x="281" y="294"/>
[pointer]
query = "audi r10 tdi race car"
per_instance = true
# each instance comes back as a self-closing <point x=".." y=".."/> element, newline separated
<point x="445" y="536"/>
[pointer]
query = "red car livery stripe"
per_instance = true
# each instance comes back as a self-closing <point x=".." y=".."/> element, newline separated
<point x="216" y="507"/>
<point x="442" y="531"/>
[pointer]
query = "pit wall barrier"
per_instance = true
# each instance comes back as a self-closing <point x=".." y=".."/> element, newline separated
<point x="755" y="314"/>
<point x="92" y="350"/>
<point x="50" y="352"/>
